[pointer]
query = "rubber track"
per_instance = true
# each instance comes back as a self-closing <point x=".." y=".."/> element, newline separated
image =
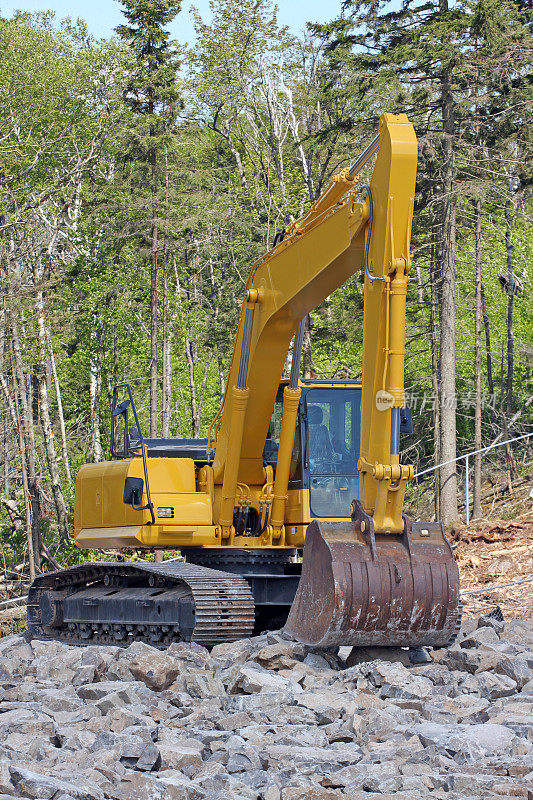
<point x="224" y="605"/>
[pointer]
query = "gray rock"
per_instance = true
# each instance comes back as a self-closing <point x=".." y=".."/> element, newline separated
<point x="6" y="784"/>
<point x="203" y="684"/>
<point x="463" y="660"/>
<point x="493" y="619"/>
<point x="251" y="678"/>
<point x="178" y="787"/>
<point x="37" y="785"/>
<point x="184" y="757"/>
<point x="230" y="653"/>
<point x="234" y="722"/>
<point x="493" y="686"/>
<point x="328" y="705"/>
<point x="281" y="655"/>
<point x="26" y="721"/>
<point x="520" y="632"/>
<point x="272" y="793"/>
<point x="304" y="757"/>
<point x="485" y="635"/>
<point x="469" y="743"/>
<point x="310" y="792"/>
<point x="123" y="697"/>
<point x="190" y="655"/>
<point x="17" y="644"/>
<point x="95" y="691"/>
<point x="155" y="668"/>
<point x="55" y="661"/>
<point x="268" y="718"/>
<point x="432" y="733"/>
<point x="317" y="661"/>
<point x="478" y="741"/>
<point x="396" y="681"/>
<point x="12" y="797"/>
<point x="243" y="758"/>
<point x="86" y="673"/>
<point x="76" y="738"/>
<point x="141" y="786"/>
<point x="517" y="669"/>
<point x="149" y="759"/>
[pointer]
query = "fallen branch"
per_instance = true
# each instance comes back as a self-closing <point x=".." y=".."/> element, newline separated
<point x="514" y="418"/>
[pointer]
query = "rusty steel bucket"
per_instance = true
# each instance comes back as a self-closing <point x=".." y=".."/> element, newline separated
<point x="361" y="588"/>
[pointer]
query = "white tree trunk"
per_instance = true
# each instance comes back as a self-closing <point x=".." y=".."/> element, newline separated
<point x="44" y="415"/>
<point x="62" y="430"/>
<point x="95" y="390"/>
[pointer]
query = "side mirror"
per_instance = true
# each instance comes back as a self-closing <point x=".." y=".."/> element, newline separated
<point x="133" y="492"/>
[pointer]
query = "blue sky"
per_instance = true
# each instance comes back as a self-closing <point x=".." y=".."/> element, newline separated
<point x="102" y="15"/>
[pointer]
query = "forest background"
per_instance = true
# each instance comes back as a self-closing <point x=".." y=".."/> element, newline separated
<point x="139" y="180"/>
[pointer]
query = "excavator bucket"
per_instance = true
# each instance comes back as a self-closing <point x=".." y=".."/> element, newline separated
<point x="361" y="588"/>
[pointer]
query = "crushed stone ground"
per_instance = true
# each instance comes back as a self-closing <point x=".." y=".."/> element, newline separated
<point x="268" y="719"/>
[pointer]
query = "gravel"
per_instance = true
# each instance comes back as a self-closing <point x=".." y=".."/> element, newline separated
<point x="268" y="719"/>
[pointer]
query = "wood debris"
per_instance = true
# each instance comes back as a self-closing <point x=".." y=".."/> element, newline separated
<point x="483" y="562"/>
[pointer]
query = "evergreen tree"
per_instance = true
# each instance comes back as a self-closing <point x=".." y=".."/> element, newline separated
<point x="419" y="59"/>
<point x="152" y="97"/>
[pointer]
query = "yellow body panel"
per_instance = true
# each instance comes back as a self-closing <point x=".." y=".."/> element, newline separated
<point x="147" y="536"/>
<point x="100" y="489"/>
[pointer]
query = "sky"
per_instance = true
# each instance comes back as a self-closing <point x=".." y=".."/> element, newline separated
<point x="103" y="15"/>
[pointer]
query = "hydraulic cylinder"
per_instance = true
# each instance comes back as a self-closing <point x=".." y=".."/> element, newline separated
<point x="291" y="400"/>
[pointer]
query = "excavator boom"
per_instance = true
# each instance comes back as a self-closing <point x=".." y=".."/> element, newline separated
<point x="347" y="229"/>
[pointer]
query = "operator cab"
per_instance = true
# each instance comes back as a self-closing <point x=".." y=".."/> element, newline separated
<point x="326" y="443"/>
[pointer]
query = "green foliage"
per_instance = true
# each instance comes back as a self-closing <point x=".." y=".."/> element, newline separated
<point x="218" y="148"/>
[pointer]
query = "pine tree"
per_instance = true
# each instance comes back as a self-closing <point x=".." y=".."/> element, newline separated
<point x="495" y="162"/>
<point x="442" y="63"/>
<point x="413" y="55"/>
<point x="152" y="96"/>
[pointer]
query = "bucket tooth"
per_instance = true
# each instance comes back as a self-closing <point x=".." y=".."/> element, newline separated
<point x="361" y="588"/>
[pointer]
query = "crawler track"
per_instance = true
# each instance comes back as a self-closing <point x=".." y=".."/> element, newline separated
<point x="117" y="603"/>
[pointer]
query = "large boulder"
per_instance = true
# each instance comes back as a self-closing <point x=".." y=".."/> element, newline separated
<point x="39" y="785"/>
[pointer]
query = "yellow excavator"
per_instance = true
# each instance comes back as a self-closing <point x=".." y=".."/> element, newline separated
<point x="287" y="466"/>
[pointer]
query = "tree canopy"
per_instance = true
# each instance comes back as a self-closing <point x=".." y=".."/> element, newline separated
<point x="140" y="178"/>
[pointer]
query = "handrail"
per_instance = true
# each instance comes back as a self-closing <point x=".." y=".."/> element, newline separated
<point x="467" y="456"/>
<point x="210" y="443"/>
<point x="15" y="601"/>
<point x="471" y="453"/>
<point x="149" y="505"/>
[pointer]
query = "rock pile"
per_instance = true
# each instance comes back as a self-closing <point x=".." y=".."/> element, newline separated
<point x="268" y="719"/>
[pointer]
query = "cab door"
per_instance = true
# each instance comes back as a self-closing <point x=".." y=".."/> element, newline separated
<point x="331" y="436"/>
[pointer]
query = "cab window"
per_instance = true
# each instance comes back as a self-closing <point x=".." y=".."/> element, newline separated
<point x="333" y="423"/>
<point x="270" y="451"/>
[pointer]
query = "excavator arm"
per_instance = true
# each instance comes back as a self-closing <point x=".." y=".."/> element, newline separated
<point x="349" y="227"/>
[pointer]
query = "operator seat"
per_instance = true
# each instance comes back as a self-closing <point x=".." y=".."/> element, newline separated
<point x="320" y="447"/>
